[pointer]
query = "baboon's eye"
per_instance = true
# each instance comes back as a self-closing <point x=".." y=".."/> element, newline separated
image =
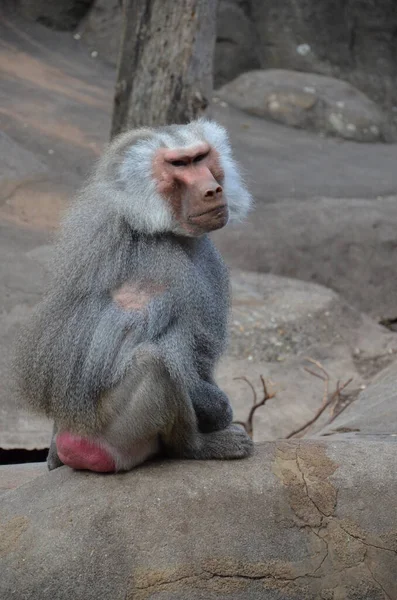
<point x="200" y="157"/>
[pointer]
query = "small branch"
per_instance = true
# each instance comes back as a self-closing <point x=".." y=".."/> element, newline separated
<point x="248" y="424"/>
<point x="250" y="384"/>
<point x="319" y="365"/>
<point x="320" y="411"/>
<point x="340" y="411"/>
<point x="324" y="377"/>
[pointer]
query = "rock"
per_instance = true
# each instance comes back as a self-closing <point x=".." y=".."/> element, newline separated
<point x="101" y="29"/>
<point x="296" y="520"/>
<point x="18" y="163"/>
<point x="23" y="275"/>
<point x="373" y="415"/>
<point x="236" y="47"/>
<point x="13" y="476"/>
<point x="353" y="41"/>
<point x="305" y="185"/>
<point x="62" y="14"/>
<point x="348" y="244"/>
<point x="235" y="50"/>
<point x="342" y="242"/>
<point x="308" y="101"/>
<point x="276" y="324"/>
<point x="275" y="317"/>
<point x="298" y="394"/>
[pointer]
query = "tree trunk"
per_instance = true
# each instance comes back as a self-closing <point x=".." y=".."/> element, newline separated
<point x="165" y="62"/>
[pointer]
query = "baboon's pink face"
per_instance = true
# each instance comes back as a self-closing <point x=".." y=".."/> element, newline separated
<point x="191" y="179"/>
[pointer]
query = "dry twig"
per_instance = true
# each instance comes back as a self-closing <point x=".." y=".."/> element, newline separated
<point x="334" y="400"/>
<point x="324" y="377"/>
<point x="248" y="424"/>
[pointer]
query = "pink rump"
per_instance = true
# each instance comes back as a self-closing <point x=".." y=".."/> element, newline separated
<point x="82" y="453"/>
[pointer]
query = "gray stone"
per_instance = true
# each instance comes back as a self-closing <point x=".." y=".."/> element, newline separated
<point x="342" y="242"/>
<point x="298" y="394"/>
<point x="13" y="476"/>
<point x="236" y="43"/>
<point x="353" y="40"/>
<point x="348" y="244"/>
<point x="18" y="163"/>
<point x="62" y="14"/>
<point x="101" y="30"/>
<point x="305" y="186"/>
<point x="308" y="101"/>
<point x="276" y="325"/>
<point x="373" y="416"/>
<point x="297" y="520"/>
<point x="23" y="278"/>
<point x="274" y="317"/>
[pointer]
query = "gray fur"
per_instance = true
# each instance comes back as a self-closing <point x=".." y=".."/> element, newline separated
<point x="79" y="349"/>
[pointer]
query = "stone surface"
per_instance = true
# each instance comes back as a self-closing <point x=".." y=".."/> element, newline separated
<point x="276" y="325"/>
<point x="22" y="276"/>
<point x="62" y="14"/>
<point x="236" y="42"/>
<point x="308" y="101"/>
<point x="101" y="29"/>
<point x="283" y="167"/>
<point x="346" y="244"/>
<point x="13" y="476"/>
<point x="373" y="416"/>
<point x="56" y="103"/>
<point x="274" y="317"/>
<point x="298" y="394"/>
<point x="297" y="520"/>
<point x="351" y="40"/>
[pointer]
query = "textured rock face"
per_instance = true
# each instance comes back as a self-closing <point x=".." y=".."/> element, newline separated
<point x="276" y="324"/>
<point x="101" y="30"/>
<point x="351" y="40"/>
<point x="327" y="240"/>
<point x="373" y="416"/>
<point x="301" y="520"/>
<point x="275" y="317"/>
<point x="62" y="14"/>
<point x="308" y="101"/>
<point x="13" y="476"/>
<point x="236" y="42"/>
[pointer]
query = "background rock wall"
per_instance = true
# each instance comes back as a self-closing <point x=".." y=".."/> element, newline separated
<point x="354" y="40"/>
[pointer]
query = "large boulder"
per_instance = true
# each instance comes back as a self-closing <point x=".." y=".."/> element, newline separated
<point x="236" y="42"/>
<point x="276" y="325"/>
<point x="63" y="15"/>
<point x="348" y="244"/>
<point x="308" y="101"/>
<point x="308" y="223"/>
<point x="101" y="30"/>
<point x="353" y="41"/>
<point x="298" y="520"/>
<point x="276" y="317"/>
<point x="350" y="40"/>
